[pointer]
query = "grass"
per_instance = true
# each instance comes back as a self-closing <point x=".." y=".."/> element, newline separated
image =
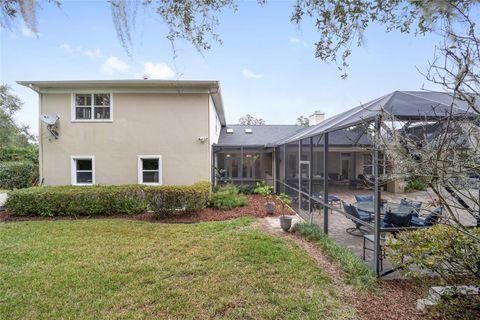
<point x="122" y="269"/>
<point x="355" y="271"/>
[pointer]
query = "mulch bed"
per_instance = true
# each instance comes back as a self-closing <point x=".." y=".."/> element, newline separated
<point x="397" y="300"/>
<point x="254" y="208"/>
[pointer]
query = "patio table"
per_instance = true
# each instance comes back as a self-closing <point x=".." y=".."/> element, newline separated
<point x="395" y="208"/>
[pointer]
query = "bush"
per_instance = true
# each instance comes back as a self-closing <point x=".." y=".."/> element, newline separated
<point x="263" y="190"/>
<point x="18" y="174"/>
<point x="170" y="199"/>
<point x="228" y="197"/>
<point x="454" y="305"/>
<point x="355" y="271"/>
<point x="14" y="153"/>
<point x="415" y="185"/>
<point x="447" y="251"/>
<point x="246" y="188"/>
<point x="105" y="200"/>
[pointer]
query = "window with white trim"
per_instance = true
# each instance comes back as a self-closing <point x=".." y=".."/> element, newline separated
<point x="83" y="170"/>
<point x="150" y="170"/>
<point x="92" y="107"/>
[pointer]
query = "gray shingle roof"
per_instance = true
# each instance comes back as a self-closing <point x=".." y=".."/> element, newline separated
<point x="260" y="136"/>
<point x="270" y="135"/>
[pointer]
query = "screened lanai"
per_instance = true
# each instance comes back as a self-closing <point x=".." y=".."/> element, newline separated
<point x="310" y="163"/>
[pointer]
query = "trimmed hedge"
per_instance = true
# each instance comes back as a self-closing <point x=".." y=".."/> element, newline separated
<point x="18" y="174"/>
<point x="106" y="200"/>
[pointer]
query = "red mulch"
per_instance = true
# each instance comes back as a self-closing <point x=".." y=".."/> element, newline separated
<point x="397" y="300"/>
<point x="254" y="208"/>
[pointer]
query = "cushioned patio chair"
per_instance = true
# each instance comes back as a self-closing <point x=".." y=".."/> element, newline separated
<point x="359" y="214"/>
<point x="416" y="205"/>
<point x="432" y="219"/>
<point x="364" y="198"/>
<point x="397" y="220"/>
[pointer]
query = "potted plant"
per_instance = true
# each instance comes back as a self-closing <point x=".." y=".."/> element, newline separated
<point x="285" y="221"/>
<point x="266" y="191"/>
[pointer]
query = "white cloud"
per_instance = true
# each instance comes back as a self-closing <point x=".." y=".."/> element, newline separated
<point x="297" y="41"/>
<point x="93" y="53"/>
<point x="113" y="65"/>
<point x="157" y="71"/>
<point x="26" y="32"/>
<point x="70" y="49"/>
<point x="249" y="74"/>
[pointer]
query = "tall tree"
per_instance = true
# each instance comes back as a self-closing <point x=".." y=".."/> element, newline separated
<point x="12" y="133"/>
<point x="248" y="120"/>
<point x="303" y="121"/>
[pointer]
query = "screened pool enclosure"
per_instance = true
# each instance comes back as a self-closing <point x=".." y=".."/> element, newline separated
<point x="341" y="152"/>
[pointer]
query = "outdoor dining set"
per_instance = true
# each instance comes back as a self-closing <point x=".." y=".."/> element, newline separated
<point x="394" y="217"/>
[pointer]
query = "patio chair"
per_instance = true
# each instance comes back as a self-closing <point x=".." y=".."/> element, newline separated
<point x="397" y="220"/>
<point x="416" y="205"/>
<point x="361" y="215"/>
<point x="432" y="219"/>
<point x="364" y="198"/>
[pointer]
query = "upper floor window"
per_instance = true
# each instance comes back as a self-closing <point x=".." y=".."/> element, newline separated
<point x="92" y="107"/>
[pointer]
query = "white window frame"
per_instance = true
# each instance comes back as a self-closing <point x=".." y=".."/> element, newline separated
<point x="73" y="170"/>
<point x="140" y="169"/>
<point x="92" y="93"/>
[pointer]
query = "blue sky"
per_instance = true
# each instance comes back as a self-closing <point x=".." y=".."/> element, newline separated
<point x="266" y="64"/>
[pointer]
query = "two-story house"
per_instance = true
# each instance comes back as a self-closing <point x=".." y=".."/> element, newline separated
<point x="128" y="131"/>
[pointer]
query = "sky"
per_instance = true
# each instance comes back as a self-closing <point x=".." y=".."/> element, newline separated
<point x="266" y="65"/>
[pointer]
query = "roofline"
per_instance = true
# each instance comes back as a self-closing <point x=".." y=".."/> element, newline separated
<point x="212" y="86"/>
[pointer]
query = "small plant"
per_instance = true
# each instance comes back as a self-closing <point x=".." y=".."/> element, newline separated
<point x="228" y="197"/>
<point x="266" y="191"/>
<point x="415" y="185"/>
<point x="246" y="188"/>
<point x="286" y="201"/>
<point x="263" y="190"/>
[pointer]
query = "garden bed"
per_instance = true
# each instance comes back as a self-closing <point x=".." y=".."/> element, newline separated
<point x="254" y="208"/>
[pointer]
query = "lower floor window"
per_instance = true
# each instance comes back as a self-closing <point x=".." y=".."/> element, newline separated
<point x="150" y="170"/>
<point x="83" y="170"/>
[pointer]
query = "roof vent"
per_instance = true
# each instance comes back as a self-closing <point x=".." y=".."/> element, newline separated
<point x="230" y="131"/>
<point x="248" y="130"/>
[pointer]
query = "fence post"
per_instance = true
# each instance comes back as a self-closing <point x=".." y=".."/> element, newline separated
<point x="325" y="183"/>
<point x="376" y="197"/>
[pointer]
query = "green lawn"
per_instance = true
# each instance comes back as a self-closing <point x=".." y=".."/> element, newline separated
<point x="91" y="269"/>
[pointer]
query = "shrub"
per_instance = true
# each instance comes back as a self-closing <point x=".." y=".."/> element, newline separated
<point x="449" y="252"/>
<point x="18" y="174"/>
<point x="228" y="197"/>
<point x="105" y="200"/>
<point x="455" y="305"/>
<point x="263" y="190"/>
<point x="246" y="188"/>
<point x="15" y="153"/>
<point x="355" y="271"/>
<point x="415" y="184"/>
<point x="170" y="199"/>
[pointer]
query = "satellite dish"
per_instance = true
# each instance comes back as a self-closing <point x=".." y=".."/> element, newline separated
<point x="49" y="119"/>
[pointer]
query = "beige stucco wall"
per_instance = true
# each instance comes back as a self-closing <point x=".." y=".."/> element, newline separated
<point x="143" y="124"/>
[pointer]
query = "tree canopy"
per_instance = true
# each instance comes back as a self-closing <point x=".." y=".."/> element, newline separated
<point x="12" y="133"/>
<point x="249" y="120"/>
